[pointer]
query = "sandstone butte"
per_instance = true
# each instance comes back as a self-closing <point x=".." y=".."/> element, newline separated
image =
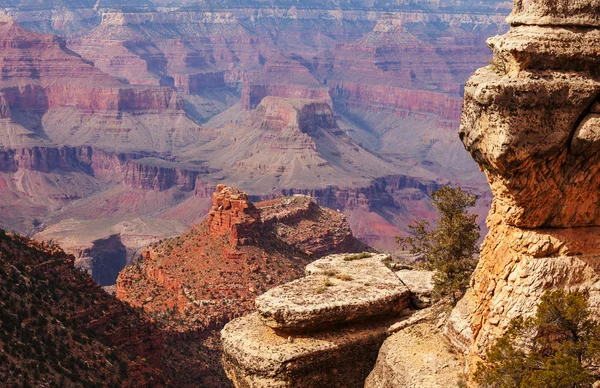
<point x="531" y="120"/>
<point x="212" y="273"/>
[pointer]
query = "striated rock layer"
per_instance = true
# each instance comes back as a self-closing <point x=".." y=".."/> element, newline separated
<point x="531" y="121"/>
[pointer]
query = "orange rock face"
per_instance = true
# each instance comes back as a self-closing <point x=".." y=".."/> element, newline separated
<point x="531" y="122"/>
<point x="232" y="215"/>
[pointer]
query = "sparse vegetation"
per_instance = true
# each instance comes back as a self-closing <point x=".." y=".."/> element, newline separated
<point x="344" y="277"/>
<point x="450" y="247"/>
<point x="358" y="256"/>
<point x="320" y="289"/>
<point x="558" y="348"/>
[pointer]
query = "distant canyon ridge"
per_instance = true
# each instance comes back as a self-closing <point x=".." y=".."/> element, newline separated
<point x="118" y="119"/>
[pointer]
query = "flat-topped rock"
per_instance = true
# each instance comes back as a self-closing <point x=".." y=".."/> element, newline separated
<point x="255" y="355"/>
<point x="420" y="284"/>
<point x="546" y="48"/>
<point x="338" y="289"/>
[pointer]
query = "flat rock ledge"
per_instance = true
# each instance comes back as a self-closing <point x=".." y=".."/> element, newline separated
<point x="337" y="289"/>
<point x="256" y="355"/>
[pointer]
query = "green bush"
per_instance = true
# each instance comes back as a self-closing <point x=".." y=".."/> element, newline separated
<point x="558" y="348"/>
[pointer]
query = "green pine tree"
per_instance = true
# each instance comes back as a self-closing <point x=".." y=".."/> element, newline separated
<point x="450" y="247"/>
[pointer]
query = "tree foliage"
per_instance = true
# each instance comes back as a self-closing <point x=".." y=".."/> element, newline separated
<point x="558" y="348"/>
<point x="449" y="248"/>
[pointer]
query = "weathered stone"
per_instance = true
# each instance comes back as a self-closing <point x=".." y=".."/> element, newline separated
<point x="256" y="355"/>
<point x="552" y="12"/>
<point x="420" y="284"/>
<point x="337" y="289"/>
<point x="418" y="356"/>
<point x="531" y="122"/>
<point x="546" y="48"/>
<point x="233" y="215"/>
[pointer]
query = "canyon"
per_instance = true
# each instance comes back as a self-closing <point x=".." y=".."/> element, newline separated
<point x="118" y="120"/>
<point x="530" y="120"/>
<point x="195" y="283"/>
<point x="231" y="174"/>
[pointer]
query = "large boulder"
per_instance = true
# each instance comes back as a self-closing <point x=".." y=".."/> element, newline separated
<point x="338" y="288"/>
<point x="323" y="330"/>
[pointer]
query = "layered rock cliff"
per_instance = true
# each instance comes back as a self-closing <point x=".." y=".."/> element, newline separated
<point x="531" y="122"/>
<point x="65" y="99"/>
<point x="326" y="329"/>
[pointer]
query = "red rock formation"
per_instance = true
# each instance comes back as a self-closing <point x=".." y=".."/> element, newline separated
<point x="233" y="216"/>
<point x="159" y="178"/>
<point x="286" y="79"/>
<point x="73" y="102"/>
<point x="212" y="273"/>
<point x="195" y="83"/>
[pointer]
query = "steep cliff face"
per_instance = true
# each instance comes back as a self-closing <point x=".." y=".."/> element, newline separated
<point x="65" y="99"/>
<point x="531" y="121"/>
<point x="275" y="80"/>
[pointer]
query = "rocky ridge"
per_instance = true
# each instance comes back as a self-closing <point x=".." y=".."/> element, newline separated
<point x="212" y="273"/>
<point x="530" y="121"/>
<point x="59" y="327"/>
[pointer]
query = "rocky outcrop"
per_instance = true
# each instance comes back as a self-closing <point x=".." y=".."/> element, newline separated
<point x="273" y="347"/>
<point x="530" y="121"/>
<point x="196" y="83"/>
<point x="420" y="284"/>
<point x="276" y="80"/>
<point x="417" y="354"/>
<point x="290" y="217"/>
<point x="212" y="273"/>
<point x="150" y="176"/>
<point x="358" y="288"/>
<point x="234" y="216"/>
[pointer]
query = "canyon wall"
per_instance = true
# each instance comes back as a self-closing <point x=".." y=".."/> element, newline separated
<point x="531" y="122"/>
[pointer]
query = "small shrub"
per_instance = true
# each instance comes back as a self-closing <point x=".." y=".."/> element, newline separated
<point x="320" y="290"/>
<point x="344" y="277"/>
<point x="559" y="347"/>
<point x="357" y="256"/>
